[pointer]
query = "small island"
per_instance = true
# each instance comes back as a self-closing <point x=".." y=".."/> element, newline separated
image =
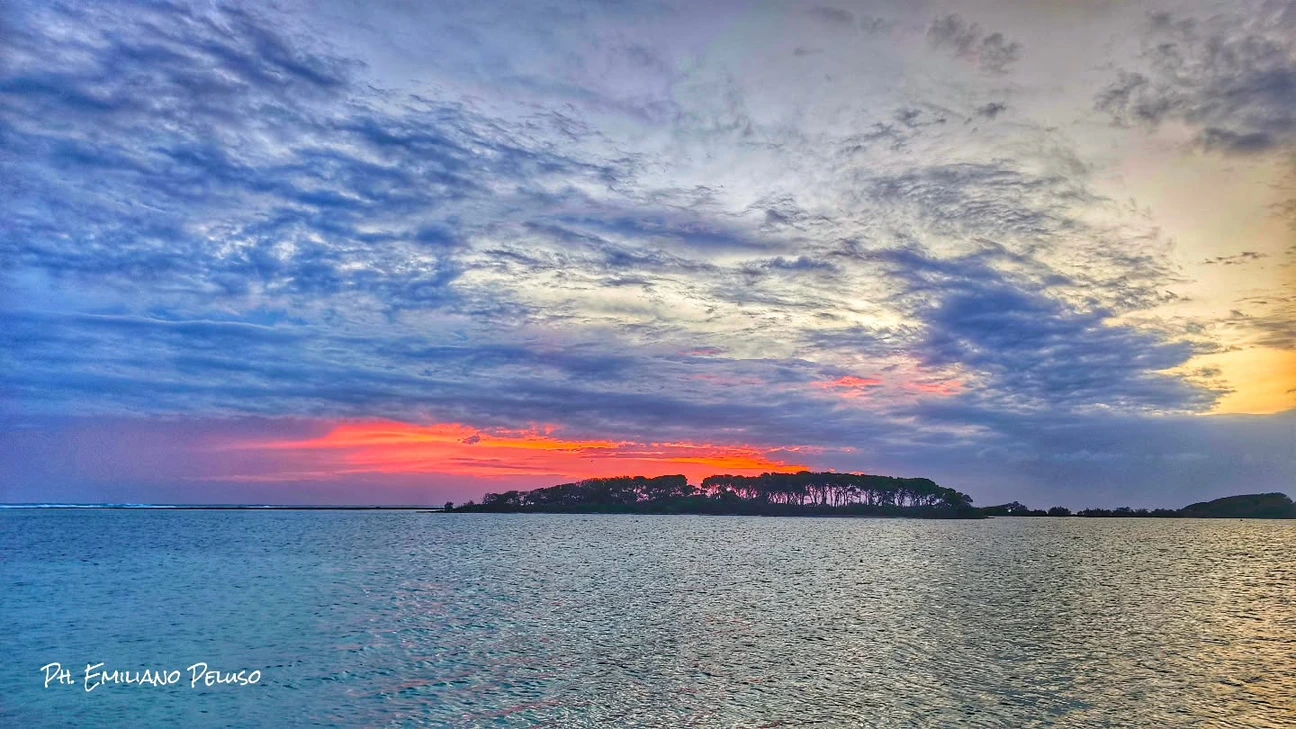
<point x="769" y="494"/>
<point x="1243" y="506"/>
<point x="828" y="493"/>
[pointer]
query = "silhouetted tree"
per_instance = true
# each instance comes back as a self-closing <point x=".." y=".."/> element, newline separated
<point x="769" y="493"/>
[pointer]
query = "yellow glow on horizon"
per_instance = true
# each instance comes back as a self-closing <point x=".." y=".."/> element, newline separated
<point x="1263" y="380"/>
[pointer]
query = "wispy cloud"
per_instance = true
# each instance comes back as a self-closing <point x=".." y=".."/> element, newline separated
<point x="1231" y="81"/>
<point x="991" y="51"/>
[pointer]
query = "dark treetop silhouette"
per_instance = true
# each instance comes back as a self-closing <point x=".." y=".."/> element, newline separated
<point x="811" y="494"/>
<point x="802" y="493"/>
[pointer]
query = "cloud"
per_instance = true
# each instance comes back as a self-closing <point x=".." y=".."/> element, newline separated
<point x="205" y="154"/>
<point x="850" y="386"/>
<point x="213" y="215"/>
<point x="992" y="52"/>
<point x="1232" y="81"/>
<point x="1235" y="260"/>
<point x="992" y="109"/>
<point x="1272" y="325"/>
<point x="1030" y="222"/>
<point x="349" y="216"/>
<point x="1029" y="351"/>
<point x="833" y="16"/>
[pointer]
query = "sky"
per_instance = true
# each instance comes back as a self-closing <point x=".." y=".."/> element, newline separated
<point x="404" y="253"/>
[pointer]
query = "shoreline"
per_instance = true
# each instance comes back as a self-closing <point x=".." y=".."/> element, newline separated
<point x="209" y="507"/>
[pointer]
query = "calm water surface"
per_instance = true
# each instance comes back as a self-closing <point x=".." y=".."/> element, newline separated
<point x="395" y="619"/>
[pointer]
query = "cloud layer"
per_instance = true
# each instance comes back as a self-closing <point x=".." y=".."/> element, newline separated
<point x="625" y="225"/>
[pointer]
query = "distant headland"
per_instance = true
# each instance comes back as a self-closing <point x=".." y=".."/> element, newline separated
<point x="1243" y="506"/>
<point x="820" y="494"/>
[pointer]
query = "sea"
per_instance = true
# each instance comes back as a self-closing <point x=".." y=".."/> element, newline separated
<point x="402" y="618"/>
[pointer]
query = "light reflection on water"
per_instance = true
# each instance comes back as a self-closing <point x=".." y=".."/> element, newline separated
<point x="363" y="618"/>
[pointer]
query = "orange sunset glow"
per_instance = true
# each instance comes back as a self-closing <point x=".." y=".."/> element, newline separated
<point x="850" y="386"/>
<point x="459" y="450"/>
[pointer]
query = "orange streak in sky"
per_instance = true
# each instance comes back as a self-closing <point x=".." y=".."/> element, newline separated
<point x="850" y="386"/>
<point x="853" y="381"/>
<point x="455" y="449"/>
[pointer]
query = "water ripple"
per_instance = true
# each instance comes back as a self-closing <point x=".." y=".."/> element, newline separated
<point x="403" y="619"/>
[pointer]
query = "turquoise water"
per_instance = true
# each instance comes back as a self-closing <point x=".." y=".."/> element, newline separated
<point x="401" y="618"/>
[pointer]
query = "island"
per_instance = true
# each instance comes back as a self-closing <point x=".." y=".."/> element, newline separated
<point x="770" y="494"/>
<point x="1242" y="506"/>
<point x="827" y="493"/>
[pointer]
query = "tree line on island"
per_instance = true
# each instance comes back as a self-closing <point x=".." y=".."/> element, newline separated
<point x="802" y="493"/>
<point x="807" y="493"/>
